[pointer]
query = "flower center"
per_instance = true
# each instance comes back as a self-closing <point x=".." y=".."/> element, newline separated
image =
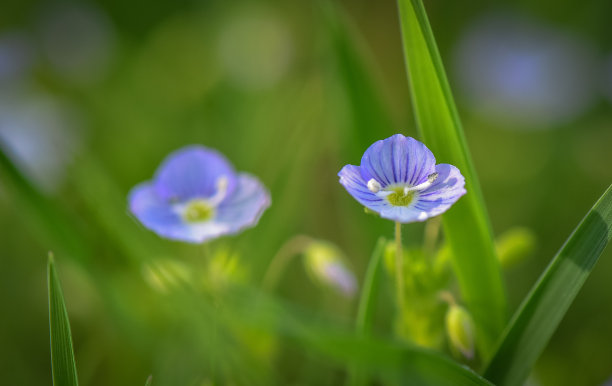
<point x="400" y="194"/>
<point x="198" y="210"/>
<point x="399" y="197"/>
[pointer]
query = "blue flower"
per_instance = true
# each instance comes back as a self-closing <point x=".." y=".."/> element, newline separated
<point x="399" y="179"/>
<point x="196" y="196"/>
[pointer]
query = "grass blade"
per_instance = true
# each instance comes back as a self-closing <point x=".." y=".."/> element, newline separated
<point x="367" y="114"/>
<point x="367" y="303"/>
<point x="52" y="224"/>
<point x="544" y="307"/>
<point x="62" y="356"/>
<point x="466" y="225"/>
<point x="369" y="293"/>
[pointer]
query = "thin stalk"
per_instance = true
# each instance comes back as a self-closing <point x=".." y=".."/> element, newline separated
<point x="432" y="230"/>
<point x="281" y="260"/>
<point x="399" y="267"/>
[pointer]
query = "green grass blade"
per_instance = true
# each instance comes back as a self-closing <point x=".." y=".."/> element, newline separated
<point x="369" y="292"/>
<point x="466" y="225"/>
<point x="367" y="303"/>
<point x="544" y="307"/>
<point x="62" y="356"/>
<point x="52" y="224"/>
<point x="367" y="114"/>
<point x="149" y="381"/>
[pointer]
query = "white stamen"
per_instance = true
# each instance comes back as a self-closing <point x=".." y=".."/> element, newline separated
<point x="374" y="186"/>
<point x="430" y="180"/>
<point x="221" y="192"/>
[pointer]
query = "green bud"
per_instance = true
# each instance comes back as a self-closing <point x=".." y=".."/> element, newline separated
<point x="225" y="269"/>
<point x="514" y="246"/>
<point x="325" y="263"/>
<point x="165" y="275"/>
<point x="460" y="330"/>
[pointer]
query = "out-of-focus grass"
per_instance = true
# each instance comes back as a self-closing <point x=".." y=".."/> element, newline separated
<point x="168" y="86"/>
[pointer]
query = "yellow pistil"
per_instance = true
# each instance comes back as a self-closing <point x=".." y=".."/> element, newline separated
<point x="198" y="211"/>
<point x="400" y="197"/>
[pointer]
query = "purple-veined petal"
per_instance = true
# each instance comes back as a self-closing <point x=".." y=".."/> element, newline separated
<point x="159" y="216"/>
<point x="351" y="179"/>
<point x="404" y="214"/>
<point x="245" y="205"/>
<point x="191" y="172"/>
<point x="444" y="192"/>
<point x="397" y="159"/>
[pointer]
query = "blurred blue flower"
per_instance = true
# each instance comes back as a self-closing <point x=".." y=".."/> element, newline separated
<point x="399" y="179"/>
<point x="524" y="74"/>
<point x="196" y="196"/>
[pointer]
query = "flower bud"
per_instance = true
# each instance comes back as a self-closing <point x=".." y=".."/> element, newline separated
<point x="325" y="264"/>
<point x="460" y="330"/>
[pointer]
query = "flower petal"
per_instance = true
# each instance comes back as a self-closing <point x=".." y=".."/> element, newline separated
<point x="404" y="214"/>
<point x="444" y="192"/>
<point x="397" y="159"/>
<point x="244" y="207"/>
<point x="351" y="179"/>
<point x="192" y="172"/>
<point x="158" y="215"/>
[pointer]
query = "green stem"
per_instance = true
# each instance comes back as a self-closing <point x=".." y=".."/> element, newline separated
<point x="432" y="230"/>
<point x="279" y="262"/>
<point x="399" y="267"/>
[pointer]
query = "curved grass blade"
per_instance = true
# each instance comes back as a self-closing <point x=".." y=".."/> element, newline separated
<point x="466" y="225"/>
<point x="367" y="303"/>
<point x="369" y="293"/>
<point x="62" y="356"/>
<point x="52" y="224"/>
<point x="544" y="307"/>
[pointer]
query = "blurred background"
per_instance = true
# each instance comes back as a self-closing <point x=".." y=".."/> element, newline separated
<point x="94" y="94"/>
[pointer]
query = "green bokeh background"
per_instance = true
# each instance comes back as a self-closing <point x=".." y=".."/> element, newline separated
<point x="279" y="88"/>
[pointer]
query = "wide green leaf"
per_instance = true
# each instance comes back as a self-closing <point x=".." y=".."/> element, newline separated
<point x="63" y="366"/>
<point x="544" y="307"/>
<point x="466" y="225"/>
<point x="390" y="361"/>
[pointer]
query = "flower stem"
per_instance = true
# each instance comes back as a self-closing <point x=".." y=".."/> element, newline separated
<point x="399" y="267"/>
<point x="432" y="230"/>
<point x="279" y="262"/>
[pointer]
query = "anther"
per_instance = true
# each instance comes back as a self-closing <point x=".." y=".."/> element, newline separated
<point x="221" y="185"/>
<point x="374" y="186"/>
<point x="430" y="180"/>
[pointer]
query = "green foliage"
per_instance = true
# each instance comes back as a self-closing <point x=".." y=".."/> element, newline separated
<point x="544" y="307"/>
<point x="514" y="246"/>
<point x="466" y="225"/>
<point x="62" y="356"/>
